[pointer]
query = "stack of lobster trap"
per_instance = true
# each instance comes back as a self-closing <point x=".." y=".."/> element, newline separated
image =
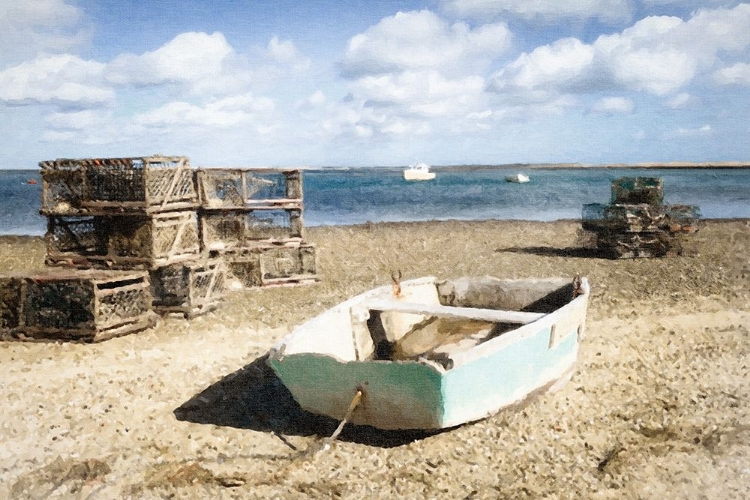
<point x="252" y="219"/>
<point x="131" y="237"/>
<point x="638" y="224"/>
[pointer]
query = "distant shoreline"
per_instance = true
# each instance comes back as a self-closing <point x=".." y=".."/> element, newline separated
<point x="562" y="166"/>
<point x="504" y="166"/>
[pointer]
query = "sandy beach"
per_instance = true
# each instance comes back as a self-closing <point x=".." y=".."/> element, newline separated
<point x="659" y="406"/>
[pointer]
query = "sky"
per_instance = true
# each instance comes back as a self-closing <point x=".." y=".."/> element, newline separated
<point x="290" y="83"/>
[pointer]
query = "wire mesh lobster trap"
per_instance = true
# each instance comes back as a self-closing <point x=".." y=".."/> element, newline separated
<point x="85" y="306"/>
<point x="249" y="188"/>
<point x="122" y="241"/>
<point x="637" y="224"/>
<point x="189" y="289"/>
<point x="227" y="230"/>
<point x="273" y="265"/>
<point x="638" y="190"/>
<point x="114" y="185"/>
<point x="621" y="217"/>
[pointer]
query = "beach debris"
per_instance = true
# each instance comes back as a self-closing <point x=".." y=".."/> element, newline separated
<point x="637" y="224"/>
<point x="71" y="473"/>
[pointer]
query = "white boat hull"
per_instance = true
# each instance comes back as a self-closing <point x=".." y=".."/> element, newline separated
<point x="518" y="178"/>
<point x="327" y="360"/>
<point x="418" y="175"/>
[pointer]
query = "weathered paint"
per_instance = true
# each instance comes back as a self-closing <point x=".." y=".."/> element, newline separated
<point x="481" y="387"/>
<point x="320" y="367"/>
<point x="396" y="395"/>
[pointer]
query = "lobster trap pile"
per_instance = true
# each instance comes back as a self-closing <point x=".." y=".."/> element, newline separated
<point x="131" y="214"/>
<point x="638" y="224"/>
<point x="252" y="219"/>
<point x="146" y="235"/>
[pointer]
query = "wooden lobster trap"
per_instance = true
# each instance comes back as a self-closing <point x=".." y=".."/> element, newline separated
<point x="626" y="218"/>
<point x="228" y="230"/>
<point x="273" y="265"/>
<point x="189" y="289"/>
<point x="233" y="189"/>
<point x="85" y="306"/>
<point x="122" y="241"/>
<point x="629" y="245"/>
<point x="638" y="190"/>
<point x="115" y="185"/>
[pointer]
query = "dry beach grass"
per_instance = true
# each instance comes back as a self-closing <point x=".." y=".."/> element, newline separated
<point x="659" y="407"/>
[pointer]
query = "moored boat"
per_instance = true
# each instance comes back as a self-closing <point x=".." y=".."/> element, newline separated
<point x="432" y="354"/>
<point x="518" y="178"/>
<point x="418" y="172"/>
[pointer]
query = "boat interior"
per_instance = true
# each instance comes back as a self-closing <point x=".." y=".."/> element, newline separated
<point x="435" y="320"/>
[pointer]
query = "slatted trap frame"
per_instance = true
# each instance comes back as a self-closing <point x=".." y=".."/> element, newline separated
<point x="122" y="241"/>
<point x="114" y="185"/>
<point x="189" y="289"/>
<point x="87" y="306"/>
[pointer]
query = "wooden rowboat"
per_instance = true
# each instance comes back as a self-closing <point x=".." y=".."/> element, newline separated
<point x="429" y="354"/>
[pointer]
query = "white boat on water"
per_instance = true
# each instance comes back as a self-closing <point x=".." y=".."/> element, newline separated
<point x="518" y="178"/>
<point x="431" y="354"/>
<point x="418" y="172"/>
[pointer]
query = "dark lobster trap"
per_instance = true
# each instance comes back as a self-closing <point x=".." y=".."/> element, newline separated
<point x="273" y="265"/>
<point x="86" y="306"/>
<point x="637" y="224"/>
<point x="228" y="230"/>
<point x="638" y="190"/>
<point x="620" y="217"/>
<point x="189" y="289"/>
<point x="122" y="241"/>
<point x="116" y="185"/>
<point x="233" y="189"/>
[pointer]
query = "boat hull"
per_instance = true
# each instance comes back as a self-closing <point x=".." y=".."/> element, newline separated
<point x="518" y="178"/>
<point x="416" y="175"/>
<point x="422" y="394"/>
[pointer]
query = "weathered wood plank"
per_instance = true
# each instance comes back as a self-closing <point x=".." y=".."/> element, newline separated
<point x="491" y="315"/>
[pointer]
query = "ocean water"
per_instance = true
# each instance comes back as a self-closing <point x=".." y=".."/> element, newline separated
<point x="359" y="195"/>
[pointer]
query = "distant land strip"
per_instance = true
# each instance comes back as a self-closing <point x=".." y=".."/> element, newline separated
<point x="650" y="165"/>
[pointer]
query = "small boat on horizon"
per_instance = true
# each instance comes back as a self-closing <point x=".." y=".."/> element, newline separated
<point x="31" y="181"/>
<point x="518" y="178"/>
<point x="429" y="354"/>
<point x="420" y="171"/>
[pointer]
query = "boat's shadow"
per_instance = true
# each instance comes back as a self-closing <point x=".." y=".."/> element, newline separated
<point x="576" y="252"/>
<point x="254" y="398"/>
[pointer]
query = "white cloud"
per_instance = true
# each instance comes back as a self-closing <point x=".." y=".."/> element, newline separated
<point x="32" y="27"/>
<point x="736" y="74"/>
<point x="222" y="113"/>
<point x="679" y="101"/>
<point x="657" y="55"/>
<point x="314" y="101"/>
<point x="564" y="60"/>
<point x="64" y="80"/>
<point x="421" y="40"/>
<point x="77" y="120"/>
<point x="690" y="132"/>
<point x="189" y="57"/>
<point x="613" y="105"/>
<point x="605" y="10"/>
<point x="413" y="73"/>
<point x="285" y="53"/>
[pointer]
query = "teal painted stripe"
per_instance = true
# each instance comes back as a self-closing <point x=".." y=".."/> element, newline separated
<point x="407" y="393"/>
<point x="473" y="390"/>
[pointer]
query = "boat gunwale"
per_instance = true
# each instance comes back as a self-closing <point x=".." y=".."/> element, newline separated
<point x="483" y="349"/>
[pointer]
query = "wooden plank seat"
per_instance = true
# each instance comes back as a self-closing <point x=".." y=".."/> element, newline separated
<point x="477" y="314"/>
